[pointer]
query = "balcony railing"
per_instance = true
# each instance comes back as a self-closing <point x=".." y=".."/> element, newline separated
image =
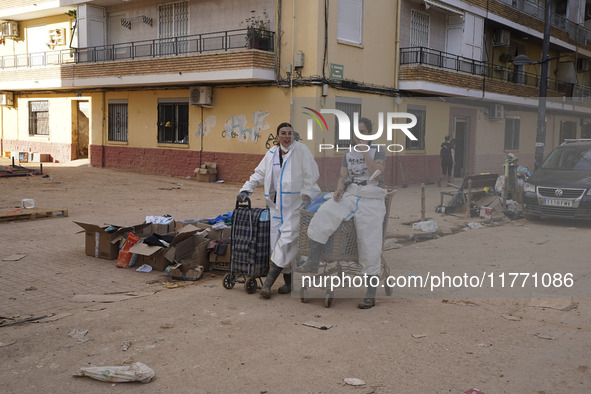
<point x="162" y="47"/>
<point x="575" y="32"/>
<point x="431" y="57"/>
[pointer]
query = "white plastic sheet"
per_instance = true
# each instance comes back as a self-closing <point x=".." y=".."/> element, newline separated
<point x="136" y="372"/>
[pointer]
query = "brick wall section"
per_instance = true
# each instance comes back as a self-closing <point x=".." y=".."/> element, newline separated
<point x="232" y="167"/>
<point x="60" y="152"/>
<point x="237" y="167"/>
<point x="437" y="75"/>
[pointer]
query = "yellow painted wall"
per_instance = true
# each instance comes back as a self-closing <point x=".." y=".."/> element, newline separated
<point x="18" y="46"/>
<point x="234" y="109"/>
<point x="60" y="115"/>
<point x="369" y="63"/>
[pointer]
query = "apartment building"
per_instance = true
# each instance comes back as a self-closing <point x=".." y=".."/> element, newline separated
<point x="464" y="53"/>
<point x="162" y="87"/>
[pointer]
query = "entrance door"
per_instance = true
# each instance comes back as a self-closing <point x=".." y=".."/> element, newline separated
<point x="81" y="130"/>
<point x="461" y="143"/>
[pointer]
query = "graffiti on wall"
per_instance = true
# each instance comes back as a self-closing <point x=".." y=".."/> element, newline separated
<point x="237" y="127"/>
<point x="205" y="127"/>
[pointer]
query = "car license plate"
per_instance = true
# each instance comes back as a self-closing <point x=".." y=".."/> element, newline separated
<point x="558" y="203"/>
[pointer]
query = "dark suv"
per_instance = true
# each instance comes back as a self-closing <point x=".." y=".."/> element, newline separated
<point x="561" y="187"/>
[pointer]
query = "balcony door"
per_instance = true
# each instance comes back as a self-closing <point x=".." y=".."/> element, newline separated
<point x="173" y="27"/>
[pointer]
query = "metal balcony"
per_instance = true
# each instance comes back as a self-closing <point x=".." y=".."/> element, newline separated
<point x="228" y="40"/>
<point x="435" y="58"/>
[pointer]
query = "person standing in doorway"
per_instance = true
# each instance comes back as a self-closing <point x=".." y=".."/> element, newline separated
<point x="447" y="160"/>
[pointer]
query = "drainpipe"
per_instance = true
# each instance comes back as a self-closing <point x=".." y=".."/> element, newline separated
<point x="397" y="45"/>
<point x="104" y="130"/>
<point x="293" y="30"/>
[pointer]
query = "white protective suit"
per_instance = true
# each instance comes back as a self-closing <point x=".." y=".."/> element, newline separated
<point x="297" y="177"/>
<point x="364" y="203"/>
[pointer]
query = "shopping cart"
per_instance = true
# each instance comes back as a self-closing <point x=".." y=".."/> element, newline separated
<point x="249" y="246"/>
<point x="340" y="255"/>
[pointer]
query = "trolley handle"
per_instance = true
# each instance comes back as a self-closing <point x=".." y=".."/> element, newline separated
<point x="243" y="204"/>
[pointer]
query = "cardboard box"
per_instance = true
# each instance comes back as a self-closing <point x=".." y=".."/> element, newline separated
<point x="192" y="252"/>
<point x="21" y="157"/>
<point x="181" y="271"/>
<point x="160" y="229"/>
<point x="207" y="172"/>
<point x="102" y="244"/>
<point x="220" y="261"/>
<point x="485" y="212"/>
<point x="40" y="157"/>
<point x="154" y="256"/>
<point x="212" y="234"/>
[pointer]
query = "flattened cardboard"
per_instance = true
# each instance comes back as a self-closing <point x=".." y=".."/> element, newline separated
<point x="154" y="256"/>
<point x="215" y="234"/>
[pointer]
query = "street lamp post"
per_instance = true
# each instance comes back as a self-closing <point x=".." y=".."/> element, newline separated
<point x="541" y="132"/>
<point x="522" y="60"/>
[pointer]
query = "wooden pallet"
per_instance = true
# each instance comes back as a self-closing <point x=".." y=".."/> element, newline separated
<point x="30" y="214"/>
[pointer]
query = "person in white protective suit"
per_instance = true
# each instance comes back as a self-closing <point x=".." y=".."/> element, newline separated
<point x="358" y="196"/>
<point x="288" y="173"/>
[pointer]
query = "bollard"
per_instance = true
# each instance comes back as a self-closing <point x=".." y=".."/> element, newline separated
<point x="422" y="201"/>
<point x="469" y="201"/>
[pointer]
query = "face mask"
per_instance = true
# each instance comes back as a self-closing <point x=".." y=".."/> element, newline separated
<point x="284" y="149"/>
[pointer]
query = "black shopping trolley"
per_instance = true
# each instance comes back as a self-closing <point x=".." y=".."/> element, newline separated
<point x="249" y="246"/>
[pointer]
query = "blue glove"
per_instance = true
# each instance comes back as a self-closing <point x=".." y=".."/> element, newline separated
<point x="242" y="196"/>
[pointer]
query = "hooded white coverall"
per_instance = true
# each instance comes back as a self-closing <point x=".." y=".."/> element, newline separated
<point x="284" y="187"/>
<point x="365" y="203"/>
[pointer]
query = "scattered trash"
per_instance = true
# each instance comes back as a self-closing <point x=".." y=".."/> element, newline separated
<point x="474" y="225"/>
<point x="28" y="203"/>
<point x="427" y="226"/>
<point x="418" y="336"/>
<point x="125" y="345"/>
<point x="130" y="373"/>
<point x="79" y="335"/>
<point x="390" y="243"/>
<point x="144" y="268"/>
<point x="14" y="257"/>
<point x="511" y="317"/>
<point x="28" y="319"/>
<point x="473" y="391"/>
<point x="460" y="302"/>
<point x="53" y="318"/>
<point x="354" y="382"/>
<point x="110" y="297"/>
<point x="170" y="285"/>
<point x="544" y="336"/>
<point x="562" y="304"/>
<point x="31" y="288"/>
<point x="320" y="326"/>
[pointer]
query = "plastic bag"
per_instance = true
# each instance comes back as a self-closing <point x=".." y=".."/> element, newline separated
<point x="428" y="226"/>
<point x="136" y="372"/>
<point x="125" y="255"/>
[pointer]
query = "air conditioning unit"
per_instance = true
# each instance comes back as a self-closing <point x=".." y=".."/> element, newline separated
<point x="6" y="99"/>
<point x="496" y="112"/>
<point x="501" y="38"/>
<point x="201" y="95"/>
<point x="9" y="29"/>
<point x="582" y="65"/>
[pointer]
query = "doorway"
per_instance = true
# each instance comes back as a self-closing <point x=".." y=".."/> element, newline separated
<point x="461" y="142"/>
<point x="81" y="129"/>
